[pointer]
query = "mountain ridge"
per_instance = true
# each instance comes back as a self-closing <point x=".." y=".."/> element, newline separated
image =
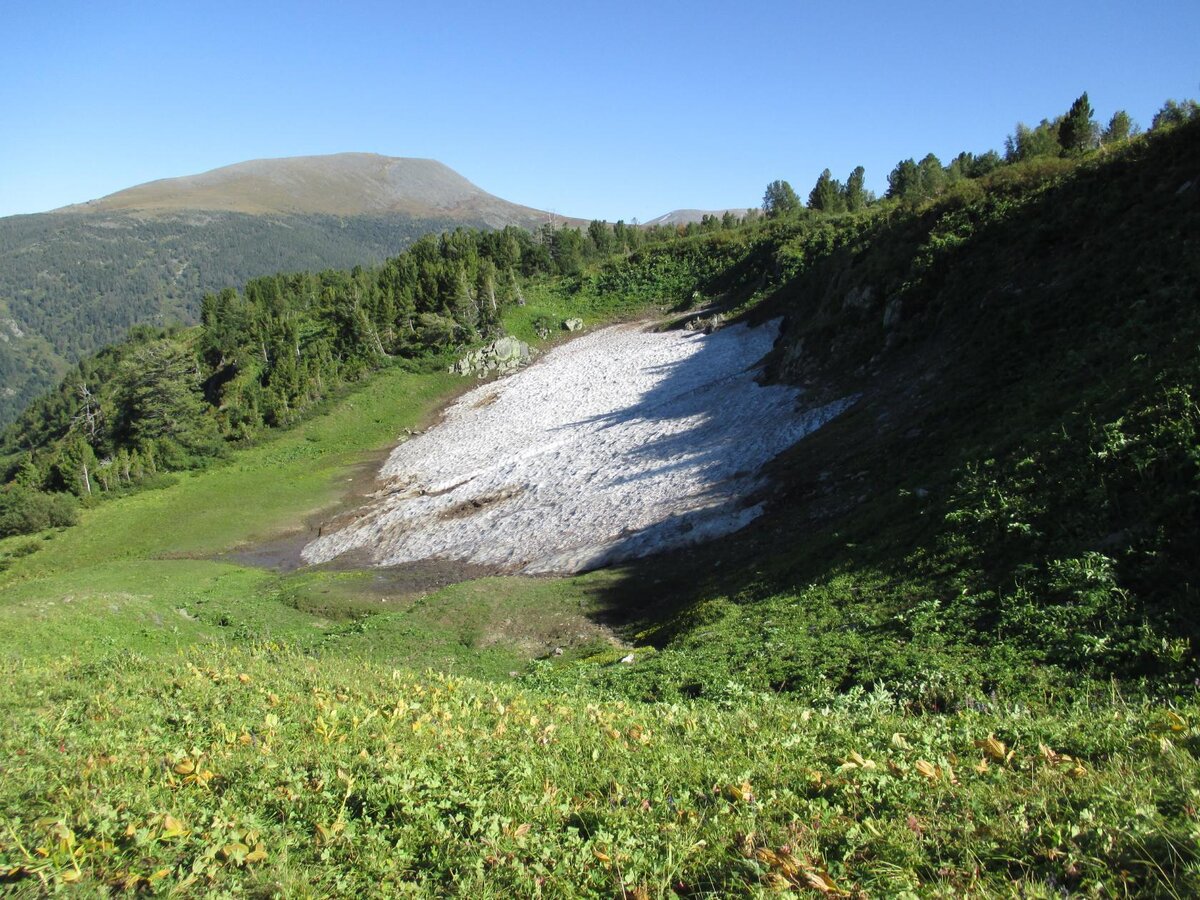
<point x="340" y="184"/>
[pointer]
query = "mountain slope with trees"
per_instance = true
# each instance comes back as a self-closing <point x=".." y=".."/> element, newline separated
<point x="75" y="280"/>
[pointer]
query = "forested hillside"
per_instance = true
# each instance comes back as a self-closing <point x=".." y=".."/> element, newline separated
<point x="74" y="284"/>
<point x="75" y="280"/>
<point x="172" y="399"/>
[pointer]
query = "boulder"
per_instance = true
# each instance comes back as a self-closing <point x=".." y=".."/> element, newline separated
<point x="859" y="297"/>
<point x="706" y="324"/>
<point x="573" y="325"/>
<point x="501" y="356"/>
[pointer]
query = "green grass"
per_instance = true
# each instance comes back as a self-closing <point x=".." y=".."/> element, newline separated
<point x="259" y="492"/>
<point x="265" y="772"/>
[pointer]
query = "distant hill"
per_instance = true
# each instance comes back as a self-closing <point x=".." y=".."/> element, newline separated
<point x="341" y="184"/>
<point x="76" y="279"/>
<point x="687" y="216"/>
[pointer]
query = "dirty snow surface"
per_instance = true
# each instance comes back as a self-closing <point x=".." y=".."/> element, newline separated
<point x="618" y="444"/>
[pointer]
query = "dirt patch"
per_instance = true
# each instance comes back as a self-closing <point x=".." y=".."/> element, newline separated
<point x="487" y="400"/>
<point x="475" y="504"/>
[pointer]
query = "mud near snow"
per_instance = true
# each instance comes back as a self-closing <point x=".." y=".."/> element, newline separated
<point x="618" y="444"/>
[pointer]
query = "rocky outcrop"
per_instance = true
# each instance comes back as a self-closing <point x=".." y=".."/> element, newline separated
<point x="706" y="324"/>
<point x="501" y="356"/>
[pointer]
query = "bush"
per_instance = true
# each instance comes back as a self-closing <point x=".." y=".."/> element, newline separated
<point x="25" y="511"/>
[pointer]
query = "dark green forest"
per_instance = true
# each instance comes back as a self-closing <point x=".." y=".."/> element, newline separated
<point x="172" y="398"/>
<point x="72" y="283"/>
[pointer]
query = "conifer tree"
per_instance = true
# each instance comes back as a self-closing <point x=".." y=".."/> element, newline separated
<point x="1120" y="128"/>
<point x="826" y="194"/>
<point x="1077" y="131"/>
<point x="855" y="195"/>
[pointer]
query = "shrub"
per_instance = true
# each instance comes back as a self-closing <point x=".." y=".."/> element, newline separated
<point x="25" y="511"/>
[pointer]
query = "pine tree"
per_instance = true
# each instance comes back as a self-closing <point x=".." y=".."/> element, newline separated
<point x="903" y="180"/>
<point x="826" y="194"/>
<point x="1120" y="128"/>
<point x="855" y="195"/>
<point x="1077" y="131"/>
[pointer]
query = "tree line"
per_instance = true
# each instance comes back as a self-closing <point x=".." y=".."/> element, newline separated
<point x="910" y="181"/>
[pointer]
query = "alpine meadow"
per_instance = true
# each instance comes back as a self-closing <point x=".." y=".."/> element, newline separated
<point x="845" y="545"/>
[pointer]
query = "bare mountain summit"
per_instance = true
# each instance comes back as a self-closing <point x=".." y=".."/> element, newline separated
<point x="688" y="216"/>
<point x="341" y="184"/>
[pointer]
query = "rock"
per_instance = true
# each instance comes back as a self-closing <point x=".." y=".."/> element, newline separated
<point x="501" y="356"/>
<point x="573" y="325"/>
<point x="627" y="659"/>
<point x="891" y="313"/>
<point x="858" y="297"/>
<point x="558" y="651"/>
<point x="706" y="324"/>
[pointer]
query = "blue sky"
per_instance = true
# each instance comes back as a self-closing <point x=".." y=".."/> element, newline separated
<point x="607" y="110"/>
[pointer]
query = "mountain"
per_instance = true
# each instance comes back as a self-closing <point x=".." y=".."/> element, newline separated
<point x="341" y="184"/>
<point x="76" y="279"/>
<point x="688" y="216"/>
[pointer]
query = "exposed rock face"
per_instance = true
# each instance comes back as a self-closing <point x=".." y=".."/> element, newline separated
<point x="891" y="313"/>
<point x="573" y="324"/>
<point x="859" y="297"/>
<point x="501" y="356"/>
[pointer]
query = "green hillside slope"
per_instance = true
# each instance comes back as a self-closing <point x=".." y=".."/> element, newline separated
<point x="957" y="656"/>
<point x="1016" y="491"/>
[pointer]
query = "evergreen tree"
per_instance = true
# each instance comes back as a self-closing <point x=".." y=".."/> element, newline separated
<point x="1120" y="128"/>
<point x="779" y="200"/>
<point x="984" y="163"/>
<point x="903" y="180"/>
<point x="855" y="195"/>
<point x="826" y="194"/>
<point x="160" y="405"/>
<point x="931" y="177"/>
<point x="566" y="249"/>
<point x="1077" y="131"/>
<point x="600" y="237"/>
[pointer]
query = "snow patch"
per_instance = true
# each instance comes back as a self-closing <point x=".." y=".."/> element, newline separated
<point x="619" y="444"/>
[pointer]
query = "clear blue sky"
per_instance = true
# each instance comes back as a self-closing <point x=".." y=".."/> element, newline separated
<point x="593" y="109"/>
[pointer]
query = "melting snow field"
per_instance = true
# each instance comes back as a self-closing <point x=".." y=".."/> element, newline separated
<point x="621" y="443"/>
